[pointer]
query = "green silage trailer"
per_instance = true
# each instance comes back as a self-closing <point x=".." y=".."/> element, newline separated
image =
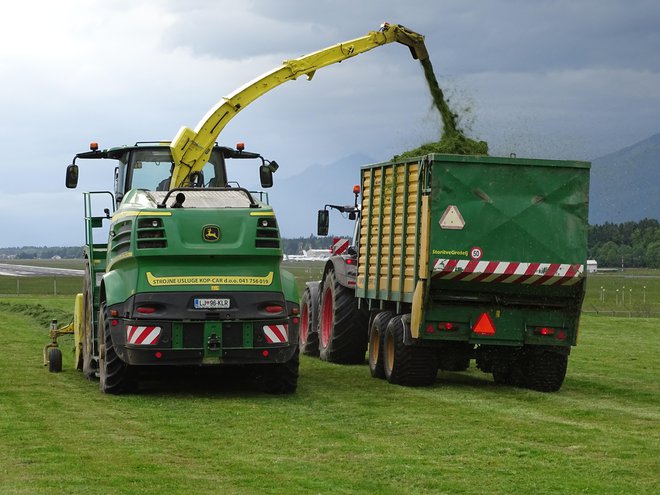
<point x="459" y="258"/>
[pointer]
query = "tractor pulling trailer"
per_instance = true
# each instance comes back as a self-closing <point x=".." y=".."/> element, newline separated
<point x="457" y="258"/>
<point x="188" y="272"/>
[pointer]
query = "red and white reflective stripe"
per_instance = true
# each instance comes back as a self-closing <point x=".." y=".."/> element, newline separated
<point x="276" y="334"/>
<point x="508" y="272"/>
<point x="340" y="245"/>
<point x="146" y="335"/>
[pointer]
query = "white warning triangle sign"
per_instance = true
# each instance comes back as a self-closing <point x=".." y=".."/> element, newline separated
<point x="452" y="219"/>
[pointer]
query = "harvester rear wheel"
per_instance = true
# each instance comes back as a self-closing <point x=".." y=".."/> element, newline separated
<point x="342" y="326"/>
<point x="54" y="360"/>
<point x="115" y="376"/>
<point x="407" y="365"/>
<point x="377" y="343"/>
<point x="279" y="378"/>
<point x="309" y="309"/>
<point x="544" y="368"/>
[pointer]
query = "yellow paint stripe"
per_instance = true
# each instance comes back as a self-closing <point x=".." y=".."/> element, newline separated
<point x="125" y="214"/>
<point x="262" y="213"/>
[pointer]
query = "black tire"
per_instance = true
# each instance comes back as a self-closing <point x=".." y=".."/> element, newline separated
<point x="377" y="343"/>
<point x="54" y="360"/>
<point x="115" y="376"/>
<point x="90" y="366"/>
<point x="342" y="328"/>
<point x="309" y="309"/>
<point x="279" y="378"/>
<point x="509" y="374"/>
<point x="544" y="368"/>
<point x="407" y="365"/>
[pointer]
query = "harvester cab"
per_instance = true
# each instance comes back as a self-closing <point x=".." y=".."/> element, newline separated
<point x="149" y="166"/>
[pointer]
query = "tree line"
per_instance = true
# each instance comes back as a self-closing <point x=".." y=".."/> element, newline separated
<point x="635" y="244"/>
<point x="628" y="244"/>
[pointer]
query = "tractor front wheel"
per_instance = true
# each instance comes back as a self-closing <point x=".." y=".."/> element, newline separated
<point x="309" y="307"/>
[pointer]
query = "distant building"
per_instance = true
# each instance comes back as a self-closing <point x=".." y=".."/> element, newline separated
<point x="592" y="266"/>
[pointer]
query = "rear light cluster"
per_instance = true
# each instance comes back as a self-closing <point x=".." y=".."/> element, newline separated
<point x="443" y="326"/>
<point x="557" y="333"/>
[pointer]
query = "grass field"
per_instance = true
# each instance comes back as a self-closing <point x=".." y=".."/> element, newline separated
<point x="342" y="432"/>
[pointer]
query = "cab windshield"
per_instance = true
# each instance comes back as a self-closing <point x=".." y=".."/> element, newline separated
<point x="152" y="168"/>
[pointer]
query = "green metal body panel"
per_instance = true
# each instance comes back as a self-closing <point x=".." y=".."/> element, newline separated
<point x="474" y="235"/>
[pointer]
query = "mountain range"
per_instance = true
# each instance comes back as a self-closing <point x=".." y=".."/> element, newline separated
<point x="625" y="186"/>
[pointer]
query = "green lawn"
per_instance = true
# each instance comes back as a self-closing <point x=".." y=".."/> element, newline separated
<point x="342" y="432"/>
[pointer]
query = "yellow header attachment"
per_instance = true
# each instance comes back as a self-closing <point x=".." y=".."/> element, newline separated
<point x="191" y="149"/>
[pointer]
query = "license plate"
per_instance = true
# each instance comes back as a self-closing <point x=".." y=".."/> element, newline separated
<point x="211" y="303"/>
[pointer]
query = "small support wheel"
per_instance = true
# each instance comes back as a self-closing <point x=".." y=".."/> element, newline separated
<point x="54" y="360"/>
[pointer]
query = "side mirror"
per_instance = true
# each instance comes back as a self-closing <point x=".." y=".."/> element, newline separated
<point x="266" y="176"/>
<point x="71" y="176"/>
<point x="323" y="222"/>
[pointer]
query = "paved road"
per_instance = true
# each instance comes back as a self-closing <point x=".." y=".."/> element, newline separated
<point x="37" y="271"/>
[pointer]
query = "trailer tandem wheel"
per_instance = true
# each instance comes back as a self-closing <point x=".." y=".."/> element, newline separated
<point x="544" y="368"/>
<point x="407" y="364"/>
<point x="377" y="343"/>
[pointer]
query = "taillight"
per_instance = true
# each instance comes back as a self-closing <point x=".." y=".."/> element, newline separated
<point x="274" y="309"/>
<point x="558" y="333"/>
<point x="544" y="331"/>
<point x="145" y="310"/>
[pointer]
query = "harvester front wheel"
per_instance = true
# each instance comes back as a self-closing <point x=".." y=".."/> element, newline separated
<point x="377" y="343"/>
<point x="54" y="360"/>
<point x="309" y="308"/>
<point x="115" y="376"/>
<point x="342" y="326"/>
<point x="407" y="365"/>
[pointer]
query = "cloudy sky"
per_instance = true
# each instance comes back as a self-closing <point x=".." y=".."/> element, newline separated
<point x="546" y="78"/>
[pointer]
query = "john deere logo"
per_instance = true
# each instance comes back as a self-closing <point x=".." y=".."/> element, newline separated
<point x="211" y="233"/>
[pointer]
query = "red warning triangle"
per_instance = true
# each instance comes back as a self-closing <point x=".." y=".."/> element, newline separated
<point x="484" y="325"/>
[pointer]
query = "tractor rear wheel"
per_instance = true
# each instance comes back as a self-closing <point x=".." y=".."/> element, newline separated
<point x="342" y="326"/>
<point x="115" y="376"/>
<point x="377" y="343"/>
<point x="407" y="364"/>
<point x="309" y="308"/>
